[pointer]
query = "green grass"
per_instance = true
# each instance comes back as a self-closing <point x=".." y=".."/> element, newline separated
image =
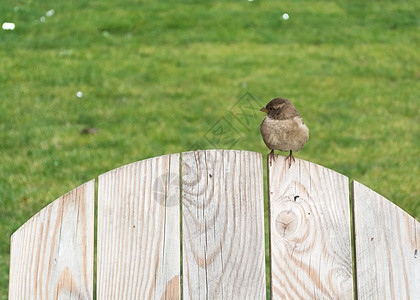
<point x="156" y="76"/>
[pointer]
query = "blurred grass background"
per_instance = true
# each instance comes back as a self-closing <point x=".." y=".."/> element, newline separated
<point x="158" y="76"/>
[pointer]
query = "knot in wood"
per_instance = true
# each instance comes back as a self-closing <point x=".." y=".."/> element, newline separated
<point x="287" y="223"/>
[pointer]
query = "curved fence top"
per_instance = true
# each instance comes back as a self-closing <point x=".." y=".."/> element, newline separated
<point x="194" y="222"/>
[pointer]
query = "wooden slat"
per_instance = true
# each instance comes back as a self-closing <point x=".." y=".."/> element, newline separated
<point x="387" y="244"/>
<point x="51" y="255"/>
<point x="139" y="231"/>
<point x="310" y="246"/>
<point x="223" y="225"/>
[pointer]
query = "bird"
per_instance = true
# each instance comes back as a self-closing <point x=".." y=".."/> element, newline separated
<point x="283" y="128"/>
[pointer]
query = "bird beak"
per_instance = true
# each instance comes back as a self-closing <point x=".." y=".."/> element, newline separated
<point x="264" y="110"/>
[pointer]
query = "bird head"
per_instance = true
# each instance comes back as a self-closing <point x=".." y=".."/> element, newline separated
<point x="280" y="108"/>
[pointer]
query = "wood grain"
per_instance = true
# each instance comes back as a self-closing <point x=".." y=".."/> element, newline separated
<point x="387" y="244"/>
<point x="223" y="225"/>
<point x="51" y="255"/>
<point x="139" y="231"/>
<point x="310" y="246"/>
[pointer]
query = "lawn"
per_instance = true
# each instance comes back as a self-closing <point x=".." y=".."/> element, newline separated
<point x="157" y="76"/>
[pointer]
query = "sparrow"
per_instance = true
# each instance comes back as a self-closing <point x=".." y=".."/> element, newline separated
<point x="283" y="128"/>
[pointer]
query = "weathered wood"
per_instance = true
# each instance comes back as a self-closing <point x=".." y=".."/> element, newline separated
<point x="310" y="246"/>
<point x="387" y="244"/>
<point x="139" y="231"/>
<point x="223" y="225"/>
<point x="138" y="253"/>
<point x="51" y="255"/>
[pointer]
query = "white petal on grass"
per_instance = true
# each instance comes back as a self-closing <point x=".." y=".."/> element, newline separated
<point x="50" y="13"/>
<point x="79" y="94"/>
<point x="8" y="26"/>
<point x="285" y="16"/>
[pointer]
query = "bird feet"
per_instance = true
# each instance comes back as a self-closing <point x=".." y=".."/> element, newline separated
<point x="290" y="157"/>
<point x="270" y="157"/>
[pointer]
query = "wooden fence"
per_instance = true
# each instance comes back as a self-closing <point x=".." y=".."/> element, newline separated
<point x="210" y="205"/>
